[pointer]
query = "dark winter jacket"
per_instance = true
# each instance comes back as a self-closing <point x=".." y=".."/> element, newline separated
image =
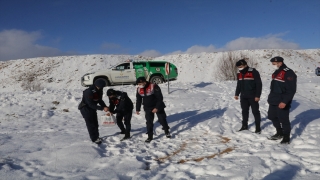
<point x="283" y="86"/>
<point x="122" y="102"/>
<point x="249" y="83"/>
<point x="152" y="97"/>
<point x="91" y="97"/>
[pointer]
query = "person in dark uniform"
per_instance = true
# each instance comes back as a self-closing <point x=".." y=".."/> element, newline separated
<point x="88" y="108"/>
<point x="283" y="88"/>
<point x="124" y="107"/>
<point x="152" y="98"/>
<point x="249" y="86"/>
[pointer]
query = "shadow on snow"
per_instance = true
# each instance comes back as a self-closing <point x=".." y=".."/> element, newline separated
<point x="187" y="120"/>
<point x="294" y="105"/>
<point x="303" y="119"/>
<point x="288" y="172"/>
<point x="202" y="85"/>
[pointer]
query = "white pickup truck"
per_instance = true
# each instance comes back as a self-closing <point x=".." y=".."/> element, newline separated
<point x="128" y="72"/>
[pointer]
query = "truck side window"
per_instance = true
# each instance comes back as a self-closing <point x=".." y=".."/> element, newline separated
<point x="140" y="63"/>
<point x="123" y="66"/>
<point x="157" y="64"/>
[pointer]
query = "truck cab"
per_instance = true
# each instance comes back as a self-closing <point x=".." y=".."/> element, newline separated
<point x="127" y="73"/>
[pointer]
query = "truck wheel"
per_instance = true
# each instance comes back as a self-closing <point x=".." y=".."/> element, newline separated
<point x="156" y="80"/>
<point x="104" y="79"/>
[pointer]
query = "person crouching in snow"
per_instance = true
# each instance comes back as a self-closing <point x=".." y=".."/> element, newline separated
<point x="88" y="108"/>
<point x="124" y="107"/>
<point x="152" y="104"/>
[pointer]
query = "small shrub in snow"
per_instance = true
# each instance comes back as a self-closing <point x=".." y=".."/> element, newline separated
<point x="227" y="69"/>
<point x="50" y="80"/>
<point x="31" y="86"/>
<point x="55" y="102"/>
<point x="29" y="81"/>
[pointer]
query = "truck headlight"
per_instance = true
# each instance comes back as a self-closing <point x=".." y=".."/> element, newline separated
<point x="86" y="78"/>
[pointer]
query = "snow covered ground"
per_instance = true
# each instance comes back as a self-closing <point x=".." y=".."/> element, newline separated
<point x="43" y="135"/>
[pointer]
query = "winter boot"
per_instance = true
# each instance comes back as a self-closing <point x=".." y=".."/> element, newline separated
<point x="278" y="135"/>
<point x="150" y="138"/>
<point x="168" y="135"/>
<point x="286" y="139"/>
<point x="244" y="127"/>
<point x="98" y="141"/>
<point x="123" y="131"/>
<point x="258" y="130"/>
<point x="127" y="136"/>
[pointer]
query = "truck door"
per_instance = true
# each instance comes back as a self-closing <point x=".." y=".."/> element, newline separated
<point x="122" y="73"/>
<point x="140" y="69"/>
<point x="132" y="73"/>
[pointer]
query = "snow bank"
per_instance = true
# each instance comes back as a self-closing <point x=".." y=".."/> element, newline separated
<point x="43" y="136"/>
<point x="66" y="71"/>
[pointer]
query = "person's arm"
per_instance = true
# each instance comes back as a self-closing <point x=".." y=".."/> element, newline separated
<point x="138" y="101"/>
<point x="159" y="97"/>
<point x="101" y="102"/>
<point x="88" y="97"/>
<point x="238" y="88"/>
<point x="111" y="107"/>
<point x="258" y="82"/>
<point x="290" y="86"/>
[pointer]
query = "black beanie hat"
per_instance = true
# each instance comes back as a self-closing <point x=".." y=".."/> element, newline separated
<point x="277" y="59"/>
<point x="241" y="62"/>
<point x="100" y="83"/>
<point x="141" y="79"/>
<point x="110" y="92"/>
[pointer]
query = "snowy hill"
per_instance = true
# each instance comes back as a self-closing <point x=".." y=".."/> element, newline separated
<point x="43" y="135"/>
<point x="66" y="71"/>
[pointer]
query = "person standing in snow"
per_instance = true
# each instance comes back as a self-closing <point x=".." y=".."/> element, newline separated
<point x="124" y="107"/>
<point x="152" y="98"/>
<point x="88" y="108"/>
<point x="283" y="88"/>
<point x="249" y="86"/>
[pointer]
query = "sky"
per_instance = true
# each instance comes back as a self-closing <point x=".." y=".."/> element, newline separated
<point x="38" y="28"/>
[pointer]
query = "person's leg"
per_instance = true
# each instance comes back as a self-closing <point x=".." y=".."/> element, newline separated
<point x="119" y="118"/>
<point x="256" y="114"/>
<point x="127" y="122"/>
<point x="96" y="124"/>
<point x="149" y="115"/>
<point x="245" y="105"/>
<point x="162" y="118"/>
<point x="273" y="116"/>
<point x="90" y="118"/>
<point x="286" y="124"/>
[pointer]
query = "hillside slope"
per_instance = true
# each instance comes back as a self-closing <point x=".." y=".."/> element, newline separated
<point x="43" y="135"/>
<point x="66" y="71"/>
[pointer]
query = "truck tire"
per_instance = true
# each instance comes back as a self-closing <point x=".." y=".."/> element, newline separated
<point x="104" y="79"/>
<point x="156" y="80"/>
